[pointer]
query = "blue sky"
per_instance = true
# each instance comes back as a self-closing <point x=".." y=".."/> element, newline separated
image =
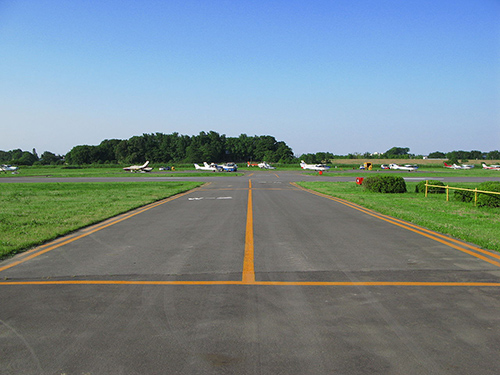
<point x="340" y="76"/>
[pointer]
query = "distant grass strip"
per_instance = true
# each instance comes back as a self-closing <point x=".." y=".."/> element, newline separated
<point x="59" y="171"/>
<point x="34" y="213"/>
<point x="460" y="220"/>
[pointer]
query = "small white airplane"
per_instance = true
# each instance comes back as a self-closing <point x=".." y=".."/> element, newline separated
<point x="229" y="167"/>
<point x="8" y="168"/>
<point x="407" y="167"/>
<point x="139" y="168"/>
<point x="208" y="167"/>
<point x="494" y="167"/>
<point x="264" y="165"/>
<point x="314" y="167"/>
<point x="455" y="166"/>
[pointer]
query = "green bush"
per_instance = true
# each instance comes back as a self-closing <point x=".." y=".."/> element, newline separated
<point x="463" y="195"/>
<point x="385" y="184"/>
<point x="489" y="200"/>
<point x="420" y="188"/>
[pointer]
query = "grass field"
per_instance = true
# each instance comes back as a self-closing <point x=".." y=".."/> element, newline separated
<point x="108" y="171"/>
<point x="37" y="212"/>
<point x="480" y="226"/>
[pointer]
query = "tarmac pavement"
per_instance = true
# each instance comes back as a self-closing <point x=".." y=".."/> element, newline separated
<point x="251" y="275"/>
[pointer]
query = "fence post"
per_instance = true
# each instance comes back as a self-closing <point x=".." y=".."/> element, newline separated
<point x="447" y="193"/>
<point x="426" y="187"/>
<point x="475" y="197"/>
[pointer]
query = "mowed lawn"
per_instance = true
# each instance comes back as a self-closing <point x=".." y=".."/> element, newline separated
<point x="34" y="213"/>
<point x="480" y="226"/>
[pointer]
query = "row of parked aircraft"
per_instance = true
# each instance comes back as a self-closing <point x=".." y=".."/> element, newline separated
<point x="495" y="167"/>
<point x="262" y="165"/>
<point x="314" y="167"/>
<point x="470" y="166"/>
<point x="232" y="167"/>
<point x="212" y="167"/>
<point x="456" y="166"/>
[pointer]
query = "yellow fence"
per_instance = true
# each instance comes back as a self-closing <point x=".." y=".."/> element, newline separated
<point x="427" y="185"/>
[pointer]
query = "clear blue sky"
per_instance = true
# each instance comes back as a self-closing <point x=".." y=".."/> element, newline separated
<point x="341" y="76"/>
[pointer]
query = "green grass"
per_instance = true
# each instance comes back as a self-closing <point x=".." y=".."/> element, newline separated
<point x="421" y="172"/>
<point x="37" y="212"/>
<point x="108" y="171"/>
<point x="480" y="226"/>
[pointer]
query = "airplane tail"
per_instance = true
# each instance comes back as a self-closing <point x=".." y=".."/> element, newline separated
<point x="145" y="164"/>
<point x="196" y="166"/>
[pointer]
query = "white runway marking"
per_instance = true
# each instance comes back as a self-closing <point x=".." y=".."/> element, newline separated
<point x="208" y="198"/>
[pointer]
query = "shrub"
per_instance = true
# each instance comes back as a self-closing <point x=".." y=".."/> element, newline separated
<point x="420" y="188"/>
<point x="463" y="195"/>
<point x="489" y="200"/>
<point x="385" y="184"/>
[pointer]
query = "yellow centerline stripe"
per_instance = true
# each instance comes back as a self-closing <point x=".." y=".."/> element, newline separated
<point x="414" y="228"/>
<point x="93" y="229"/>
<point x="261" y="283"/>
<point x="248" y="260"/>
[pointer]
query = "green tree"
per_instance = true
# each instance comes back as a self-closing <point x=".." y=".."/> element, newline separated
<point x="50" y="158"/>
<point x="493" y="155"/>
<point x="397" y="152"/>
<point x="437" y="155"/>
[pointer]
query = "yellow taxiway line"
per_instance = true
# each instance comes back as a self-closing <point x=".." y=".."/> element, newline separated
<point x="248" y="260"/>
<point x="90" y="230"/>
<point x="258" y="283"/>
<point x="248" y="274"/>
<point x="448" y="241"/>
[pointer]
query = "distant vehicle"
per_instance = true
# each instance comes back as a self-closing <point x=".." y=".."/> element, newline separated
<point x="164" y="168"/>
<point x="456" y="166"/>
<point x="212" y="167"/>
<point x="9" y="168"/>
<point x="385" y="166"/>
<point x="139" y="168"/>
<point x="229" y="167"/>
<point x="314" y="167"/>
<point x="264" y="165"/>
<point x="250" y="164"/>
<point x="367" y="166"/>
<point x="494" y="167"/>
<point x="407" y="167"/>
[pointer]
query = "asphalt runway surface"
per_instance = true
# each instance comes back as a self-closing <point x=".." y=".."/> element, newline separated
<point x="251" y="275"/>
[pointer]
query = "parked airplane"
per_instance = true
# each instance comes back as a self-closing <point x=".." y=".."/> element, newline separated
<point x="314" y="167"/>
<point x="409" y="168"/>
<point x="229" y="167"/>
<point x="8" y="168"/>
<point x="455" y="166"/>
<point x="208" y="167"/>
<point x="494" y="167"/>
<point x="264" y="165"/>
<point x="139" y="168"/>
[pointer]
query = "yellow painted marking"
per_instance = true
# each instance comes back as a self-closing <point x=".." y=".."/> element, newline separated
<point x="261" y="283"/>
<point x="416" y="229"/>
<point x="276" y="175"/>
<point x="248" y="277"/>
<point x="248" y="260"/>
<point x="43" y="249"/>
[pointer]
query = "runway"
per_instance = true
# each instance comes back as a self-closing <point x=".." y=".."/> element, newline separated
<point x="251" y="275"/>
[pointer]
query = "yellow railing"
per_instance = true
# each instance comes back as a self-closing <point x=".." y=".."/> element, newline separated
<point x="427" y="185"/>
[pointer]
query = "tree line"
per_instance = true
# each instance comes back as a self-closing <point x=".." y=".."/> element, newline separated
<point x="20" y="157"/>
<point x="176" y="148"/>
<point x="210" y="147"/>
